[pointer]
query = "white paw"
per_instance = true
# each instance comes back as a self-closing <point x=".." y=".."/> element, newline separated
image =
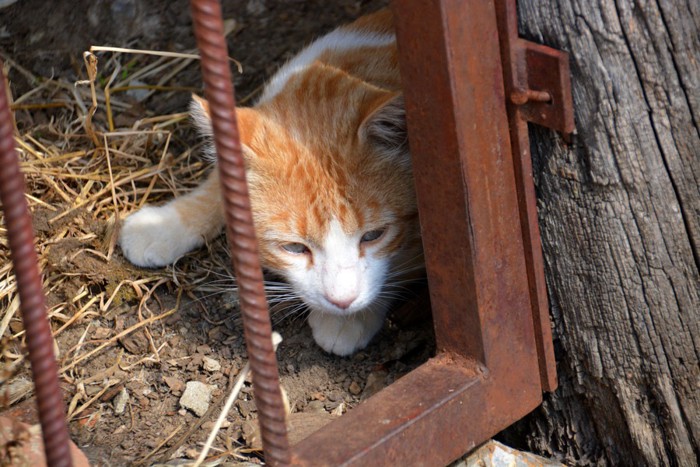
<point x="343" y="335"/>
<point x="156" y="236"/>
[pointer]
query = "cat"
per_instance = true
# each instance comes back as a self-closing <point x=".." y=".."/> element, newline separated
<point x="330" y="182"/>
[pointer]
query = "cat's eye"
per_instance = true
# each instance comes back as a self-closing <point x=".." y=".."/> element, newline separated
<point x="296" y="248"/>
<point x="372" y="235"/>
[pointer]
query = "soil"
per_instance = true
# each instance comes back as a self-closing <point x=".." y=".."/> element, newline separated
<point x="202" y="341"/>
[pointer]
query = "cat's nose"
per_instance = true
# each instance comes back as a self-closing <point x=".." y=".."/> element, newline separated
<point x="342" y="303"/>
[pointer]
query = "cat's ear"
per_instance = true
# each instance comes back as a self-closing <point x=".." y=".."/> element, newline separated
<point x="247" y="120"/>
<point x="199" y="112"/>
<point x="384" y="126"/>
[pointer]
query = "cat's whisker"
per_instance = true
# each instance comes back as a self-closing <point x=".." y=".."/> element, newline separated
<point x="404" y="271"/>
<point x="276" y="301"/>
<point x="400" y="294"/>
<point x="294" y="311"/>
<point x="417" y="258"/>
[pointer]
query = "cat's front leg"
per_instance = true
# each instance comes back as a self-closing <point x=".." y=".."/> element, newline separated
<point x="344" y="335"/>
<point x="156" y="236"/>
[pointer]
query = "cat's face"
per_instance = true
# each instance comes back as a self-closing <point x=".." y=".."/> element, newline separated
<point x="332" y="191"/>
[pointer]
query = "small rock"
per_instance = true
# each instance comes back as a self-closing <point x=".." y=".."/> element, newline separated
<point x="331" y="405"/>
<point x="318" y="396"/>
<point x="196" y="397"/>
<point x="496" y="454"/>
<point x="315" y="406"/>
<point x="376" y="381"/>
<point x="174" y="384"/>
<point x="341" y="377"/>
<point x="101" y="333"/>
<point x="335" y="396"/>
<point x="211" y="365"/>
<point x="203" y="349"/>
<point x="120" y="401"/>
<point x="246" y="408"/>
<point x="354" y="388"/>
<point x="338" y="411"/>
<point x="135" y="343"/>
<point x="216" y="333"/>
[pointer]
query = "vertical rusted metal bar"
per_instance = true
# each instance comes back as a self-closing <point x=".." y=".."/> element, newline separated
<point x="555" y="114"/>
<point x="20" y="238"/>
<point x="209" y="30"/>
<point x="460" y="136"/>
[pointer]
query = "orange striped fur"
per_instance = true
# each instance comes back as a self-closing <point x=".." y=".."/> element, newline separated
<point x="330" y="182"/>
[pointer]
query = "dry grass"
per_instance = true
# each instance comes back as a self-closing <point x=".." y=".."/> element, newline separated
<point x="84" y="172"/>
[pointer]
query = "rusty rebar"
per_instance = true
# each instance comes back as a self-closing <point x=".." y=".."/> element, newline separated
<point x="20" y="237"/>
<point x="209" y="29"/>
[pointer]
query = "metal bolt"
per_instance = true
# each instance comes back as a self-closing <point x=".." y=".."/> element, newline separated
<point x="523" y="96"/>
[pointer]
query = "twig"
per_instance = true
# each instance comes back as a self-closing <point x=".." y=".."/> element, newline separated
<point x="126" y="332"/>
<point x="276" y="339"/>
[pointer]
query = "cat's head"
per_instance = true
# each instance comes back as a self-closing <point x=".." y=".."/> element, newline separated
<point x="331" y="187"/>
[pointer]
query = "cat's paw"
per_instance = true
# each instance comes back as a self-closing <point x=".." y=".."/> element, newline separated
<point x="156" y="236"/>
<point x="344" y="335"/>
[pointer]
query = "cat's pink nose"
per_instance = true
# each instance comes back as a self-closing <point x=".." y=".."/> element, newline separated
<point x="342" y="303"/>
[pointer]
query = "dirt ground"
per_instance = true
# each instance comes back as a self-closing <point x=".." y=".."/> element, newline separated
<point x="125" y="364"/>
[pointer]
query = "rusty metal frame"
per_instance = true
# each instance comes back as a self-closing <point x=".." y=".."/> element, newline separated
<point x="471" y="85"/>
<point x="459" y="60"/>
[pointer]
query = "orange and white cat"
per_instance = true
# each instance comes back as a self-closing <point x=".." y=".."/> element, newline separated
<point x="330" y="181"/>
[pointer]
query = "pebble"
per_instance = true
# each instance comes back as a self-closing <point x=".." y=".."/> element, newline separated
<point x="318" y="396"/>
<point x="174" y="384"/>
<point x="354" y="388"/>
<point x="496" y="454"/>
<point x="196" y="397"/>
<point x="120" y="401"/>
<point x="338" y="411"/>
<point x="101" y="333"/>
<point x="210" y="364"/>
<point x="331" y="405"/>
<point x="376" y="381"/>
<point x="246" y="407"/>
<point x="315" y="406"/>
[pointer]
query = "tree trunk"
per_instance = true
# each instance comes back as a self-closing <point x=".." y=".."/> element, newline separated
<point x="619" y="213"/>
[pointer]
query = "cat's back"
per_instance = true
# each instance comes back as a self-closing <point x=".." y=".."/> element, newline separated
<point x="364" y="49"/>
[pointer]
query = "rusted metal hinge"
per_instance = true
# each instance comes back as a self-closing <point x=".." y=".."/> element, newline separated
<point x="538" y="89"/>
<point x="536" y="77"/>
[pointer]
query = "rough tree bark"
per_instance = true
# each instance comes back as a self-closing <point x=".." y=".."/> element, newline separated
<point x="620" y="218"/>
